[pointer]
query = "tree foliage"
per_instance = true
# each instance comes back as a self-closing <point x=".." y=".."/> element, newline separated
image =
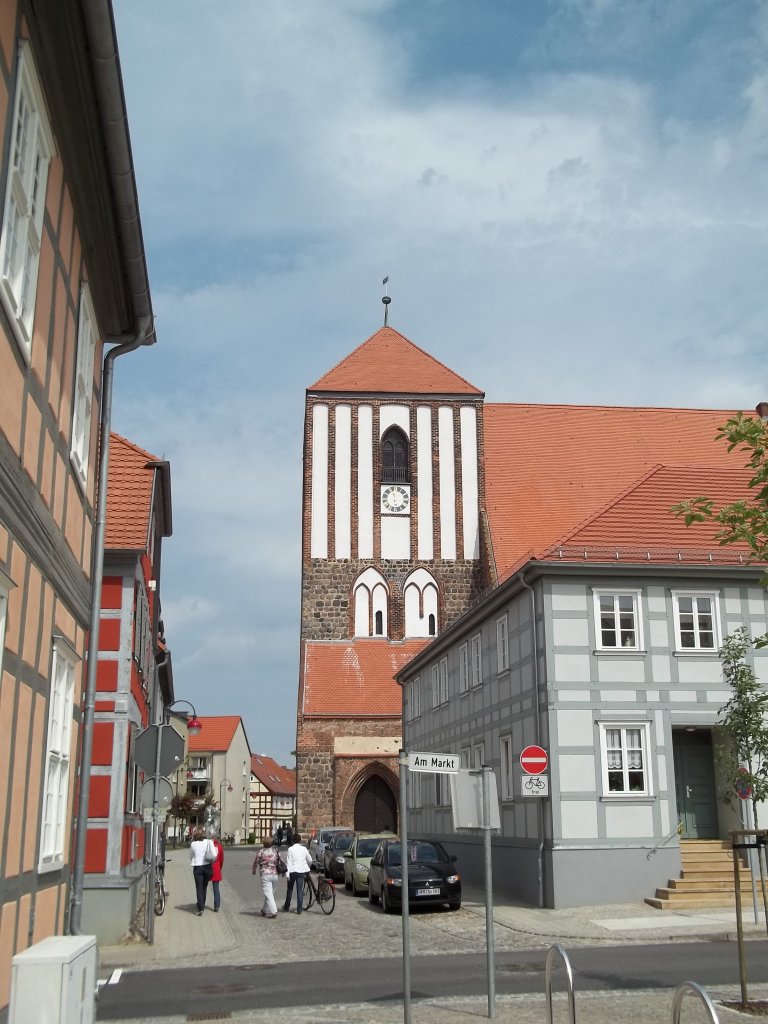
<point x="744" y="719"/>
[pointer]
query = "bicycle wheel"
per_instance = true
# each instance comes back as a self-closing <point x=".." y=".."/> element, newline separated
<point x="326" y="895"/>
<point x="309" y="892"/>
<point x="159" y="898"/>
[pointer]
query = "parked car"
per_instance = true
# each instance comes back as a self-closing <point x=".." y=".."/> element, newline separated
<point x="319" y="842"/>
<point x="432" y="875"/>
<point x="333" y="856"/>
<point x="358" y="858"/>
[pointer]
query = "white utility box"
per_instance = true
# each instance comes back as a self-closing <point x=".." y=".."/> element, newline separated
<point x="54" y="982"/>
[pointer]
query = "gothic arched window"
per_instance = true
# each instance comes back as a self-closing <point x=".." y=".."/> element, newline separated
<point x="420" y="598"/>
<point x="394" y="457"/>
<point x="370" y="597"/>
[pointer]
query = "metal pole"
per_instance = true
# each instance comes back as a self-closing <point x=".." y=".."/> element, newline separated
<point x="489" y="939"/>
<point x="153" y="844"/>
<point x="753" y="864"/>
<point x="403" y="763"/>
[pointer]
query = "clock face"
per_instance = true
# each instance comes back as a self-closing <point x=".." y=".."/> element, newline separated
<point x="395" y="499"/>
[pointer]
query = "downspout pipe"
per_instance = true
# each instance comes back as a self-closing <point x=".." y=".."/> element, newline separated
<point x="537" y="691"/>
<point x="144" y="335"/>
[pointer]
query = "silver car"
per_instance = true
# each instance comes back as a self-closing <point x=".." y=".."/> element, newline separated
<point x="319" y="843"/>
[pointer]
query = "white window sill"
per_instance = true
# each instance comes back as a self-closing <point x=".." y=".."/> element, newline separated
<point x="703" y="652"/>
<point x="634" y="798"/>
<point x="621" y="652"/>
<point x="44" y="869"/>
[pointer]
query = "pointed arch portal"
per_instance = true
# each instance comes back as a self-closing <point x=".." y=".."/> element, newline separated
<point x="375" y="807"/>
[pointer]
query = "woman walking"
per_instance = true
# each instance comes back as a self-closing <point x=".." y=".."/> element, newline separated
<point x="266" y="861"/>
<point x="201" y="854"/>
<point x="217" y="865"/>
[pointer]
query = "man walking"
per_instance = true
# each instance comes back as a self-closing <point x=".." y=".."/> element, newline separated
<point x="298" y="861"/>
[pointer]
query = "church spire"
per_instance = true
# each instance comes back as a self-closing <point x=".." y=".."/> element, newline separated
<point x="386" y="300"/>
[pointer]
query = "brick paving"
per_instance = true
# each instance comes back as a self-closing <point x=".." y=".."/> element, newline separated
<point x="237" y="936"/>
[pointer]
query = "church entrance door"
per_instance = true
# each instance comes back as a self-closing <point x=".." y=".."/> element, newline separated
<point x="375" y="807"/>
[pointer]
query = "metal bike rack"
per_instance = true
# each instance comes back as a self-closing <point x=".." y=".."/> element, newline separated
<point x="680" y="994"/>
<point x="558" y="951"/>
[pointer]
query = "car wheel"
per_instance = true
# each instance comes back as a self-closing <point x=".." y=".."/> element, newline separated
<point x="349" y="885"/>
<point x="386" y="906"/>
<point x="455" y="906"/>
<point x="372" y="899"/>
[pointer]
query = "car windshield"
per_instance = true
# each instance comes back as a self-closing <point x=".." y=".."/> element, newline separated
<point x="367" y="847"/>
<point x="343" y="842"/>
<point x="326" y="836"/>
<point x="418" y="852"/>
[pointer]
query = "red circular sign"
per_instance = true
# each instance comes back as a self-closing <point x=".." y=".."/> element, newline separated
<point x="534" y="760"/>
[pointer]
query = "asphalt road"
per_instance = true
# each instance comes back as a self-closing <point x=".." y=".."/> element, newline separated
<point x="211" y="990"/>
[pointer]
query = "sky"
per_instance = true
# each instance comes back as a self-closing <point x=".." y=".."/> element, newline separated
<point x="569" y="197"/>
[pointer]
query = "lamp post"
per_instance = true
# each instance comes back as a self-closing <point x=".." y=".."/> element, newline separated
<point x="194" y="726"/>
<point x="222" y="784"/>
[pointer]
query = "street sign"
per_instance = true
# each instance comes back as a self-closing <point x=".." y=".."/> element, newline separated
<point x="443" y="764"/>
<point x="171" y="749"/>
<point x="535" y="785"/>
<point x="164" y="794"/>
<point x="743" y="788"/>
<point x="534" y="760"/>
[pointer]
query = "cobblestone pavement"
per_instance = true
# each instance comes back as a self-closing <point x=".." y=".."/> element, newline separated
<point x="239" y="935"/>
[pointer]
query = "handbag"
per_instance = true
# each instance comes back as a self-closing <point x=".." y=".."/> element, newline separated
<point x="282" y="867"/>
<point x="210" y="853"/>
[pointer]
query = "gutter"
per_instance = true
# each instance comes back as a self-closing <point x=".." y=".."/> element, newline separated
<point x="537" y="691"/>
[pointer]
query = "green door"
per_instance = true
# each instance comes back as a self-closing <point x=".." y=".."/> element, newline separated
<point x="695" y="784"/>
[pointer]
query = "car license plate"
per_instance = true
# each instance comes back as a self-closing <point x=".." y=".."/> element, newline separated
<point x="427" y="892"/>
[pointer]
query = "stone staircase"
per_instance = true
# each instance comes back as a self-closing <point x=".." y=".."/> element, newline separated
<point x="706" y="879"/>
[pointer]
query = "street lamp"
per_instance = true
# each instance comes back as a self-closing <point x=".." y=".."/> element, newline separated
<point x="222" y="784"/>
<point x="194" y="726"/>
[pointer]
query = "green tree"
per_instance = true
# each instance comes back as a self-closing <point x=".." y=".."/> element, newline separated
<point x="744" y="756"/>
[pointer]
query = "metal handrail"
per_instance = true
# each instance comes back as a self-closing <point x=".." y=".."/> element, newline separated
<point x="680" y="994"/>
<point x="676" y="831"/>
<point x="558" y="950"/>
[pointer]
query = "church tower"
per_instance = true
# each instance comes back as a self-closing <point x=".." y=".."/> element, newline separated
<point x="392" y="551"/>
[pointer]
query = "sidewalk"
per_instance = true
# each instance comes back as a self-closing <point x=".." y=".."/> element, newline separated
<point x="232" y="937"/>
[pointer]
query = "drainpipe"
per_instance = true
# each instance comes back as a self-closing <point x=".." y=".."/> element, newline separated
<point x="142" y="337"/>
<point x="537" y="690"/>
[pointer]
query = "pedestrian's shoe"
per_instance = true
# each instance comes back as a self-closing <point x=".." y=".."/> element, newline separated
<point x="199" y="913"/>
<point x="263" y="913"/>
<point x="215" y="910"/>
<point x="270" y="915"/>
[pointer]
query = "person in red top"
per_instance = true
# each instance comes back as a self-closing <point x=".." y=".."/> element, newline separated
<point x="217" y="865"/>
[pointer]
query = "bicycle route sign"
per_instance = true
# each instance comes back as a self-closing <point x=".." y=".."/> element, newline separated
<point x="534" y="785"/>
<point x="534" y="760"/>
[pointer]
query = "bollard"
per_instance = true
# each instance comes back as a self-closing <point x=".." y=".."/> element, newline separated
<point x="554" y="951"/>
<point x="680" y="994"/>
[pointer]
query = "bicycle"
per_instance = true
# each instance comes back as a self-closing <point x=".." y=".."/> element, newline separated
<point x="160" y="893"/>
<point x="322" y="892"/>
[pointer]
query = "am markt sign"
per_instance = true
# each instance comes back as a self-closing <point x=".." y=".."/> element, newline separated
<point x="444" y="764"/>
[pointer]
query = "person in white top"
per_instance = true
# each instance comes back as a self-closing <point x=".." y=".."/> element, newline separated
<point x="298" y="861"/>
<point x="202" y="853"/>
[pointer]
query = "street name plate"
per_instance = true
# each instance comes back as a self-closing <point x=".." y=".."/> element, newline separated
<point x="443" y="764"/>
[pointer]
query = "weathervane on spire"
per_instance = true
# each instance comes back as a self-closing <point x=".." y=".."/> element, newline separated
<point x="386" y="300"/>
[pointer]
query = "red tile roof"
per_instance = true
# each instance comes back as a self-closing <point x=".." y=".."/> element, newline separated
<point x="130" y="481"/>
<point x="345" y="678"/>
<point x="274" y="776"/>
<point x="551" y="469"/>
<point x="216" y="735"/>
<point x="388" y="363"/>
<point x="638" y="523"/>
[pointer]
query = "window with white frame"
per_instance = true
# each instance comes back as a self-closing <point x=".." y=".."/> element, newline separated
<point x="617" y="617"/>
<point x="502" y="644"/>
<point x="443" y="680"/>
<point x="507" y="778"/>
<point x="477" y="660"/>
<point x="478" y="755"/>
<point x="696" y="621"/>
<point x="463" y="668"/>
<point x="466" y="757"/>
<point x="53" y="830"/>
<point x="624" y="753"/>
<point x="414" y="778"/>
<point x="442" y="790"/>
<point x="435" y="686"/>
<point x="30" y="156"/>
<point x="413" y="699"/>
<point x="87" y="334"/>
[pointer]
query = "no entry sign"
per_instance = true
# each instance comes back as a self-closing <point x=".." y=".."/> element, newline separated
<point x="534" y="760"/>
